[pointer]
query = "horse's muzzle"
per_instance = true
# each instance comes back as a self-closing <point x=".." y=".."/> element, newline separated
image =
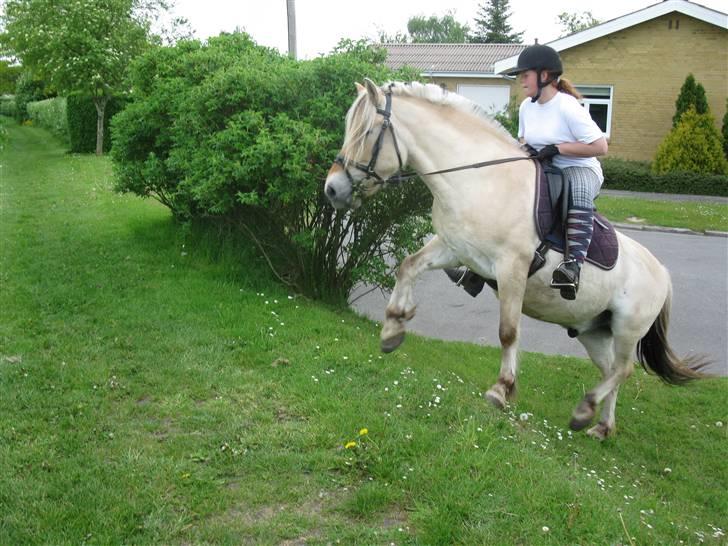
<point x="338" y="189"/>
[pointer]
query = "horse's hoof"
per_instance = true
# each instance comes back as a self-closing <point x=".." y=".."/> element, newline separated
<point x="390" y="344"/>
<point x="583" y="414"/>
<point x="496" y="399"/>
<point x="600" y="431"/>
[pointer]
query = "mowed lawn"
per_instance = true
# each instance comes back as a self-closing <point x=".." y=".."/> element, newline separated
<point x="156" y="387"/>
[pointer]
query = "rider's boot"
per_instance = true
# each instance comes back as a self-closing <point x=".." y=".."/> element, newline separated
<point x="471" y="282"/>
<point x="579" y="234"/>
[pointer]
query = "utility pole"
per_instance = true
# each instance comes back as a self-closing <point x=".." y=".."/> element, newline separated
<point x="291" y="5"/>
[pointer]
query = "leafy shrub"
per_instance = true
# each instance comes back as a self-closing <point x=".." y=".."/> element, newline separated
<point x="620" y="174"/>
<point x="508" y="117"/>
<point x="693" y="146"/>
<point x="724" y="131"/>
<point x="692" y="95"/>
<point x="28" y="89"/>
<point x="50" y="114"/>
<point x="82" y="120"/>
<point x="7" y="106"/>
<point x="238" y="133"/>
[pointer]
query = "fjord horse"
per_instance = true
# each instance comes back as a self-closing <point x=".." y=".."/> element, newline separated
<point x="483" y="219"/>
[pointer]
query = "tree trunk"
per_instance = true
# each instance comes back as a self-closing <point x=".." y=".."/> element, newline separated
<point x="100" y="103"/>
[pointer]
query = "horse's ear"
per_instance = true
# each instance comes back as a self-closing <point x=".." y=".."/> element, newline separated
<point x="375" y="94"/>
<point x="359" y="88"/>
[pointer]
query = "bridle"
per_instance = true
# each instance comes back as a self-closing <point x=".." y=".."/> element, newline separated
<point x="399" y="176"/>
<point x="368" y="169"/>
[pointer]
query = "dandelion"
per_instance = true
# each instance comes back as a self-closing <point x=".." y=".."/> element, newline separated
<point x="523" y="417"/>
<point x="364" y="432"/>
<point x="350" y="445"/>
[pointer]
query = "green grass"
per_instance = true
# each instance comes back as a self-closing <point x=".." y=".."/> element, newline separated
<point x="680" y="214"/>
<point x="157" y="388"/>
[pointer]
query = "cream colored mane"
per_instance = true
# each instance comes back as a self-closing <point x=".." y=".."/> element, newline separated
<point x="361" y="116"/>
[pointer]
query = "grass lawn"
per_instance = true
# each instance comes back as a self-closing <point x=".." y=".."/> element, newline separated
<point x="680" y="214"/>
<point x="157" y="388"/>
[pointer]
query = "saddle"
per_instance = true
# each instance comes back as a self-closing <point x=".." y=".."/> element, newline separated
<point x="549" y="211"/>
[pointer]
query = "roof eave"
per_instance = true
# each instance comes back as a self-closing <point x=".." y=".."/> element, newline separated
<point x="631" y="19"/>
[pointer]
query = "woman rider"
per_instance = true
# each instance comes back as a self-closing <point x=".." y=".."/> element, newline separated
<point x="553" y="126"/>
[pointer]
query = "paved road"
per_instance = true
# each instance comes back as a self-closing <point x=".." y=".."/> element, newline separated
<point x="699" y="323"/>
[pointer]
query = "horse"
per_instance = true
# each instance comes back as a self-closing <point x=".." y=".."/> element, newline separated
<point x="483" y="219"/>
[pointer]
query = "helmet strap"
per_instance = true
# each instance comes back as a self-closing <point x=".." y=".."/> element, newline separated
<point x="541" y="85"/>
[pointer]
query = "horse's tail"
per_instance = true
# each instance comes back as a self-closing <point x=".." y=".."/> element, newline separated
<point x="654" y="352"/>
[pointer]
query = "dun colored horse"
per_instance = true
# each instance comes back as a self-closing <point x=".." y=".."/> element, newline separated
<point x="483" y="219"/>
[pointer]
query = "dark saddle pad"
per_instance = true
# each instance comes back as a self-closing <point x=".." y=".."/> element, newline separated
<point x="603" y="250"/>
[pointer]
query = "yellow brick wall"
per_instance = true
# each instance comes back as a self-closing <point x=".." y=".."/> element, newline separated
<point x="646" y="65"/>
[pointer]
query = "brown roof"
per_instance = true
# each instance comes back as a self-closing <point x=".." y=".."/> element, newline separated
<point x="459" y="58"/>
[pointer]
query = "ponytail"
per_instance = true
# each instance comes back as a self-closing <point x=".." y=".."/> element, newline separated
<point x="565" y="86"/>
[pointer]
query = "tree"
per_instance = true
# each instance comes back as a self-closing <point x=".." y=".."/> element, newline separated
<point x="576" y="22"/>
<point x="430" y="30"/>
<point x="491" y="25"/>
<point x="437" y="30"/>
<point x="724" y="130"/>
<point x="80" y="45"/>
<point x="692" y="94"/>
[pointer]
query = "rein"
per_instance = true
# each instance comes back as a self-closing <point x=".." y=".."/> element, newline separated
<point x="400" y="176"/>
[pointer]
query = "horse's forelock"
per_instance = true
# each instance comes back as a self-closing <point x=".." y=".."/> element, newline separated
<point x="359" y="121"/>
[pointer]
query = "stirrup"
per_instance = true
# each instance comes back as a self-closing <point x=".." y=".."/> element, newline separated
<point x="568" y="289"/>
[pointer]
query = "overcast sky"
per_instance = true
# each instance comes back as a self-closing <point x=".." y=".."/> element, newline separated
<point x="320" y="24"/>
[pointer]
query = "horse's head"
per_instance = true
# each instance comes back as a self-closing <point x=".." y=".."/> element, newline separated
<point x="370" y="154"/>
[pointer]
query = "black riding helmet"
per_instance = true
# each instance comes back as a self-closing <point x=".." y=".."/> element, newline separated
<point x="539" y="58"/>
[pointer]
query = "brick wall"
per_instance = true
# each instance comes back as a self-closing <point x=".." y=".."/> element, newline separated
<point x="646" y="65"/>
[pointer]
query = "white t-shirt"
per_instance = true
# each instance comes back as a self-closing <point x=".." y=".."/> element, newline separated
<point x="562" y="119"/>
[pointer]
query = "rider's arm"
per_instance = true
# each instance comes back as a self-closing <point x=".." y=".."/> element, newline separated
<point x="580" y="149"/>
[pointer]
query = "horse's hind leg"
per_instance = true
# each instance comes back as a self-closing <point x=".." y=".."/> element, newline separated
<point x="511" y="288"/>
<point x="599" y="345"/>
<point x="401" y="307"/>
<point x="607" y="390"/>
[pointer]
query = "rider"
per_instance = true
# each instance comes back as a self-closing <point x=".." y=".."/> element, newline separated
<point x="553" y="126"/>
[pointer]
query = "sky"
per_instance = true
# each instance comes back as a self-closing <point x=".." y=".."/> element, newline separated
<point x="320" y="24"/>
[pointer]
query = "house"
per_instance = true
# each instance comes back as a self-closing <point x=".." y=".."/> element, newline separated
<point x="629" y="69"/>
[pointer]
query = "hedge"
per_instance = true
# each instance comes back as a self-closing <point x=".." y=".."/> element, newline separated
<point x="7" y="106"/>
<point x="620" y="174"/>
<point x="82" y="119"/>
<point x="50" y="114"/>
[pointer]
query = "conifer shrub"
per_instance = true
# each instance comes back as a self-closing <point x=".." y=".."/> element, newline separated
<point x="692" y="95"/>
<point x="694" y="145"/>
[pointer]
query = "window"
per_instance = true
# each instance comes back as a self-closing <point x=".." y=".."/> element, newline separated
<point x="493" y="98"/>
<point x="598" y="102"/>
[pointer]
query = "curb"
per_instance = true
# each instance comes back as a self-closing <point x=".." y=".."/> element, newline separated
<point x="683" y="231"/>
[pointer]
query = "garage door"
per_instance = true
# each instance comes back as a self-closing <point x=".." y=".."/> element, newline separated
<point x="493" y="98"/>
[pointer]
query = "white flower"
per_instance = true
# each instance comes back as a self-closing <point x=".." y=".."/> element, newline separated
<point x="719" y="424"/>
<point x="523" y="417"/>
<point x="545" y="529"/>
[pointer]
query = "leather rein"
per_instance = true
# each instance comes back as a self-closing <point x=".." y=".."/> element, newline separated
<point x="400" y="176"/>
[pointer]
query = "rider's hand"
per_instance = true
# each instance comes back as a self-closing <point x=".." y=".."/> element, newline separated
<point x="548" y="152"/>
<point x="530" y="150"/>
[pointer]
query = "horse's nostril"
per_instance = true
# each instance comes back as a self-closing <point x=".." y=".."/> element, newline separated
<point x="330" y="192"/>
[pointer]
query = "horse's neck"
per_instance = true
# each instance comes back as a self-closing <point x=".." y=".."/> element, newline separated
<point x="441" y="138"/>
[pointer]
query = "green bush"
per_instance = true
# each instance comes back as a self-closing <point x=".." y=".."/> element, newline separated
<point x="240" y="134"/>
<point x="693" y="146"/>
<point x="82" y="120"/>
<point x="27" y="89"/>
<point x="50" y="114"/>
<point x="724" y="130"/>
<point x="620" y="174"/>
<point x="7" y="106"/>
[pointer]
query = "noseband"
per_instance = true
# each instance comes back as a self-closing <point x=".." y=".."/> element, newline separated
<point x="368" y="169"/>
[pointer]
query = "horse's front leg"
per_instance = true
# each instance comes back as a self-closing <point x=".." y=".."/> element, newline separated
<point x="401" y="307"/>
<point x="512" y="276"/>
